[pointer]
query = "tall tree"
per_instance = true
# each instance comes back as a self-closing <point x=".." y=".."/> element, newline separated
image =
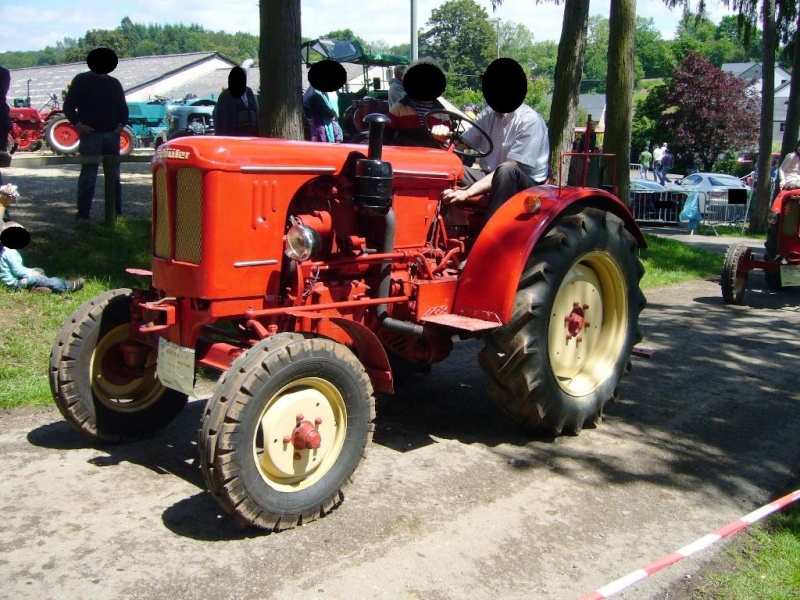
<point x="281" y="75"/>
<point x="758" y="220"/>
<point x="567" y="83"/>
<point x="619" y="97"/>
<point x="461" y="40"/>
<point x="791" y="129"/>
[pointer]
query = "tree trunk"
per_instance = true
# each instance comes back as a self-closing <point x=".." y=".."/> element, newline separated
<point x="791" y="130"/>
<point x="619" y="94"/>
<point x="758" y="221"/>
<point x="281" y="101"/>
<point x="569" y="67"/>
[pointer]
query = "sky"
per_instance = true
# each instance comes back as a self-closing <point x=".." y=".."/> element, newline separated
<point x="372" y="20"/>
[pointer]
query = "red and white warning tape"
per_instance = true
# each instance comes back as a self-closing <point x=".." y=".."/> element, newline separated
<point x="704" y="542"/>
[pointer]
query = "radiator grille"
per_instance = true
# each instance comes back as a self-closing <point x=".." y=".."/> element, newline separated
<point x="161" y="234"/>
<point x="189" y="209"/>
<point x="791" y="219"/>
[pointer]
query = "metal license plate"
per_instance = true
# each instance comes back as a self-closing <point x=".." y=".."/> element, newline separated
<point x="175" y="367"/>
<point x="790" y="275"/>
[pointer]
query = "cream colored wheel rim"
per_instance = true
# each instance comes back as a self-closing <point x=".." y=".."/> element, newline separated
<point x="588" y="324"/>
<point x="308" y="403"/>
<point x="111" y="386"/>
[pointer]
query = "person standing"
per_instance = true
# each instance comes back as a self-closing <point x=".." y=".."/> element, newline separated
<point x="236" y="111"/>
<point x="645" y="160"/>
<point x="95" y="105"/>
<point x="658" y="152"/>
<point x="322" y="112"/>
<point x="396" y="90"/>
<point x="5" y="119"/>
<point x="667" y="161"/>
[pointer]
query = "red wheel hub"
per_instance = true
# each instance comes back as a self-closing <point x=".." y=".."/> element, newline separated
<point x="305" y="436"/>
<point x="576" y="320"/>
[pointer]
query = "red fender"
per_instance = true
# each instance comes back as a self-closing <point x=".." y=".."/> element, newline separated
<point x="488" y="284"/>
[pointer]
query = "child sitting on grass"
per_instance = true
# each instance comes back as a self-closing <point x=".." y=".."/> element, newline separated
<point x="14" y="274"/>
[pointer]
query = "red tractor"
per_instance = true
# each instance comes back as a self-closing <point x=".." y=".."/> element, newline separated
<point x="29" y="127"/>
<point x="781" y="261"/>
<point x="305" y="272"/>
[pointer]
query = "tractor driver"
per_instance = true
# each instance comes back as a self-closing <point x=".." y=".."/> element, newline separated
<point x="521" y="151"/>
<point x="518" y="161"/>
<point x="789" y="171"/>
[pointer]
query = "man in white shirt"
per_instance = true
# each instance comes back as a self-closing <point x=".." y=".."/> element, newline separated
<point x="789" y="171"/>
<point x="518" y="161"/>
<point x="658" y="154"/>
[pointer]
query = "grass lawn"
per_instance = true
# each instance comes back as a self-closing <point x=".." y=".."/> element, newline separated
<point x="763" y="565"/>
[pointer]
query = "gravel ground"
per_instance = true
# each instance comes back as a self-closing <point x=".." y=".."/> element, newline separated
<point x="48" y="194"/>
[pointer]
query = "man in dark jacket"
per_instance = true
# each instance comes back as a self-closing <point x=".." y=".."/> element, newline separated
<point x="5" y="120"/>
<point x="236" y="111"/>
<point x="95" y="105"/>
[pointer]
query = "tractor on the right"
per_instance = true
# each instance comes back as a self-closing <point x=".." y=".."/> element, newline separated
<point x="781" y="261"/>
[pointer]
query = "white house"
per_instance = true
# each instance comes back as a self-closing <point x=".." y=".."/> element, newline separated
<point x="752" y="71"/>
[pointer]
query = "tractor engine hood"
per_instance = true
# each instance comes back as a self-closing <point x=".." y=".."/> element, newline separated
<point x="254" y="155"/>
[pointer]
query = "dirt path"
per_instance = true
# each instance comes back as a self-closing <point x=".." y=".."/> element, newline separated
<point x="48" y="194"/>
<point x="454" y="501"/>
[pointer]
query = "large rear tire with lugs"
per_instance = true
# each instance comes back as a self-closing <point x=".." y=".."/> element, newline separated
<point x="575" y="320"/>
<point x="94" y="388"/>
<point x="285" y="430"/>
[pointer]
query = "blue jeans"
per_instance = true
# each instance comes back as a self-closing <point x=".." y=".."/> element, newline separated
<point x="96" y="144"/>
<point x="58" y="285"/>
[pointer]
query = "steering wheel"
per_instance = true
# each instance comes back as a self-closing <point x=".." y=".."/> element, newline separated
<point x="456" y="124"/>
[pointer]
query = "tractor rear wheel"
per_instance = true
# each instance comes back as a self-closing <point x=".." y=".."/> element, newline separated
<point x="94" y="388"/>
<point x="61" y="135"/>
<point x="575" y="319"/>
<point x="285" y="430"/>
<point x="734" y="281"/>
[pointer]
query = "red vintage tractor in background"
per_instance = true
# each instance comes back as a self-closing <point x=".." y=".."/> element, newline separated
<point x="305" y="273"/>
<point x="30" y="127"/>
<point x="781" y="261"/>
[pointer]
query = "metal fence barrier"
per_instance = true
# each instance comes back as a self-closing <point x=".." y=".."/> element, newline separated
<point x="716" y="209"/>
<point x="657" y="207"/>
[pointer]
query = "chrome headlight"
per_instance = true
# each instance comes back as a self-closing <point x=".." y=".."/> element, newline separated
<point x="302" y="242"/>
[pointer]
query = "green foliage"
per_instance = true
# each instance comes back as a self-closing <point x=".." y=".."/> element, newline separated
<point x="709" y="118"/>
<point x="595" y="63"/>
<point x="135" y="39"/>
<point x="461" y="41"/>
<point x="101" y="254"/>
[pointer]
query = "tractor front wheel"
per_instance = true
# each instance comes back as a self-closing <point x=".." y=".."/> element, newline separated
<point x="61" y="135"/>
<point x="575" y="319"/>
<point x="97" y="390"/>
<point x="285" y="430"/>
<point x="734" y="278"/>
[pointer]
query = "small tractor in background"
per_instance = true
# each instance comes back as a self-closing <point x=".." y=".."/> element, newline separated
<point x="781" y="260"/>
<point x="305" y="273"/>
<point x="147" y="120"/>
<point x="189" y="116"/>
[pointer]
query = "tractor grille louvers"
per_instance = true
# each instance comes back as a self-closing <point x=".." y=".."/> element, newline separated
<point x="187" y="219"/>
<point x="791" y="219"/>
<point x="161" y="233"/>
<point x="188" y="239"/>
